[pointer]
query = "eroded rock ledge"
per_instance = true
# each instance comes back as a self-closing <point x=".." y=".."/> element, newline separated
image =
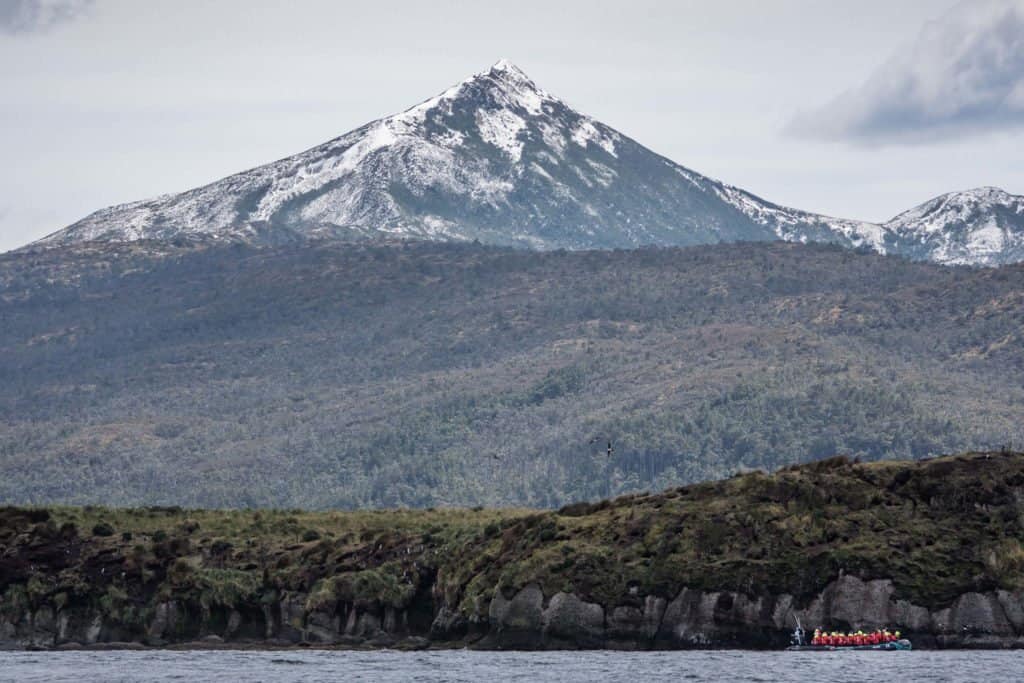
<point x="530" y="620"/>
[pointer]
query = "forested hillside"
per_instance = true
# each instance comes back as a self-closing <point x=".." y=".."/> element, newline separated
<point x="431" y="374"/>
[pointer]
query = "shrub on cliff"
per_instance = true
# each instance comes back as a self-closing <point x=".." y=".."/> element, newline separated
<point x="103" y="529"/>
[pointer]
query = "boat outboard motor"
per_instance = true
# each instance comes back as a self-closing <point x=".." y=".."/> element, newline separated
<point x="798" y="634"/>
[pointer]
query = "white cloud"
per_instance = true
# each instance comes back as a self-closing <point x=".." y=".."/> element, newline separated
<point x="29" y="16"/>
<point x="963" y="75"/>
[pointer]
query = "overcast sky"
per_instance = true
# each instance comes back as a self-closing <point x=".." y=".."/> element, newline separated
<point x="858" y="109"/>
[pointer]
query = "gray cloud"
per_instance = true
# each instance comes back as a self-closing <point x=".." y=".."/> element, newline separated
<point x="963" y="75"/>
<point x="29" y="16"/>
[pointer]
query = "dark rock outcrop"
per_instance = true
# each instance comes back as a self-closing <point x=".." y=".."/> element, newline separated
<point x="530" y="620"/>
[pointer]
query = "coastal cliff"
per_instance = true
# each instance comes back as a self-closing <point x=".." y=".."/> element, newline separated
<point x="932" y="548"/>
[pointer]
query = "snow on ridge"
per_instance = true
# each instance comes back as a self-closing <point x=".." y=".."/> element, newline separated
<point x="586" y="132"/>
<point x="514" y="88"/>
<point x="413" y="118"/>
<point x="304" y="178"/>
<point x="969" y="227"/>
<point x="936" y="215"/>
<point x="789" y="224"/>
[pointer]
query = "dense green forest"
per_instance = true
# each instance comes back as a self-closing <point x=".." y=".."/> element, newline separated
<point x="429" y="374"/>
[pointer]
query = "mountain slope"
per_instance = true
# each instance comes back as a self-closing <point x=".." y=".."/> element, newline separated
<point x="494" y="158"/>
<point x="355" y="375"/>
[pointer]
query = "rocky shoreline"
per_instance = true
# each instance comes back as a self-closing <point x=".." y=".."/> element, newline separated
<point x="528" y="621"/>
<point x="648" y="572"/>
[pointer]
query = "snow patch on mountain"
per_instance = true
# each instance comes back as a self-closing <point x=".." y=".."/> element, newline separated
<point x="586" y="132"/>
<point x="501" y="128"/>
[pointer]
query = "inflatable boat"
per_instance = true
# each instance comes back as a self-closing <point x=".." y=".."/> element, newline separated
<point x="800" y="644"/>
<point x="901" y="644"/>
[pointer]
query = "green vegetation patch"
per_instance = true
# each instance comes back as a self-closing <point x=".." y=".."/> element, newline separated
<point x="938" y="529"/>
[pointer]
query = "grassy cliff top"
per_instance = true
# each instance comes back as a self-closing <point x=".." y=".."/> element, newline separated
<point x="937" y="528"/>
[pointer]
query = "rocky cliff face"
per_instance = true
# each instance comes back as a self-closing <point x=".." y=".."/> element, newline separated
<point x="530" y="620"/>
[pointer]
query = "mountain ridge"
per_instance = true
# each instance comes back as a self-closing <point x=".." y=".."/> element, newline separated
<point x="498" y="159"/>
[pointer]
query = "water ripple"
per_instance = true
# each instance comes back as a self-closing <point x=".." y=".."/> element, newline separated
<point x="470" y="666"/>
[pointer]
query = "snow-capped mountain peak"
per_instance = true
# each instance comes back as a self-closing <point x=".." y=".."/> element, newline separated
<point x="981" y="226"/>
<point x="498" y="159"/>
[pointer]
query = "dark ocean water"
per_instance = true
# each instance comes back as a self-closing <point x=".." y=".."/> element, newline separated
<point x="462" y="665"/>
